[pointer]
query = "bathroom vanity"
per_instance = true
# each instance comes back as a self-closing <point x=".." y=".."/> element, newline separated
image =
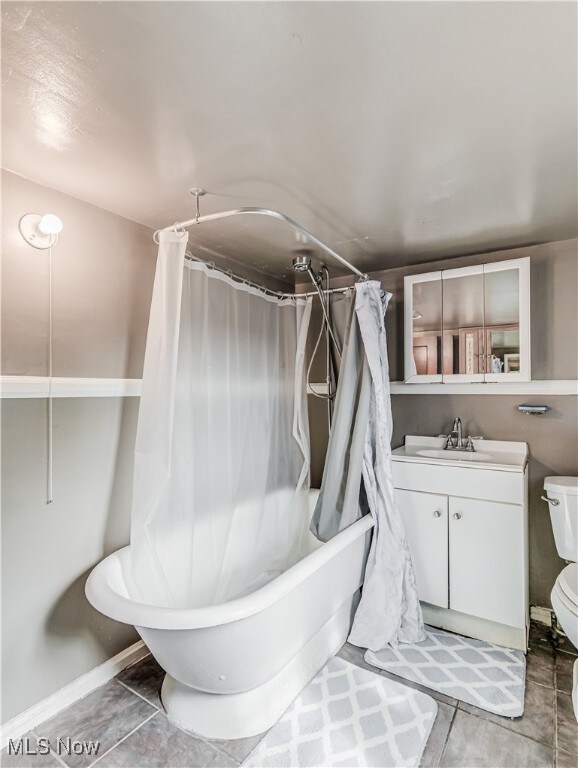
<point x="466" y="521"/>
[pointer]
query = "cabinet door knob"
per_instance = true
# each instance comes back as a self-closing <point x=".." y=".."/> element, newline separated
<point x="457" y="516"/>
<point x="437" y="513"/>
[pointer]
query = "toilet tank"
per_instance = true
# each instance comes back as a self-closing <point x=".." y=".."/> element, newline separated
<point x="564" y="514"/>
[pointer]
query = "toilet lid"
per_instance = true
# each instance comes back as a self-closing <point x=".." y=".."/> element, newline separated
<point x="568" y="581"/>
<point x="567" y="485"/>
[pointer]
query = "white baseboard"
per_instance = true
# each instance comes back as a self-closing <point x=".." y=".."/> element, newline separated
<point x="541" y="615"/>
<point x="473" y="626"/>
<point x="72" y="692"/>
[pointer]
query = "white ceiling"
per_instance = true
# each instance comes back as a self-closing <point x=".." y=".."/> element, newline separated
<point x="397" y="132"/>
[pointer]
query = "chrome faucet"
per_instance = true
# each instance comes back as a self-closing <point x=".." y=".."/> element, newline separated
<point x="456" y="433"/>
<point x="455" y="440"/>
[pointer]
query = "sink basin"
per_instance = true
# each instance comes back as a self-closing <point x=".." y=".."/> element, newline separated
<point x="455" y="455"/>
<point x="489" y="454"/>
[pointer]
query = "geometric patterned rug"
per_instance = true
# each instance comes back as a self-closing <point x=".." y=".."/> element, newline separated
<point x="348" y="716"/>
<point x="479" y="673"/>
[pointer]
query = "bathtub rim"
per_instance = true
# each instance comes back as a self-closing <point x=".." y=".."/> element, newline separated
<point x="101" y="592"/>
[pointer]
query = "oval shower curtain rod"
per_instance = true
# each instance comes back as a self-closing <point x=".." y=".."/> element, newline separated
<point x="264" y="212"/>
<point x="268" y="291"/>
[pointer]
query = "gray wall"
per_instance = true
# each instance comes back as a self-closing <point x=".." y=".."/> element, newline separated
<point x="554" y="299"/>
<point x="103" y="270"/>
<point x="552" y="439"/>
<point x="103" y="273"/>
<point x="50" y="633"/>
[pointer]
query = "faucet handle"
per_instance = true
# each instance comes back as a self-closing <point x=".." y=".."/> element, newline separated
<point x="448" y="443"/>
<point x="470" y="444"/>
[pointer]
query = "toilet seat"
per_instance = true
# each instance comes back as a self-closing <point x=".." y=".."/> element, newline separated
<point x="562" y="498"/>
<point x="568" y="609"/>
<point x="564" y="599"/>
<point x="565" y="602"/>
<point x="568" y="583"/>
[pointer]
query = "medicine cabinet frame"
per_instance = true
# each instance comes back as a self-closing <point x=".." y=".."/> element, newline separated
<point x="524" y="361"/>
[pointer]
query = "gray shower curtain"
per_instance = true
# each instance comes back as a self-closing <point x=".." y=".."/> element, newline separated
<point x="357" y="479"/>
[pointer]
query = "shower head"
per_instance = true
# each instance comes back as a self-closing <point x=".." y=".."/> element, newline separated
<point x="301" y="263"/>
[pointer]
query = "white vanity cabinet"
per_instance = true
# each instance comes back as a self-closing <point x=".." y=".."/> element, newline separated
<point x="425" y="520"/>
<point x="487" y="560"/>
<point x="466" y="524"/>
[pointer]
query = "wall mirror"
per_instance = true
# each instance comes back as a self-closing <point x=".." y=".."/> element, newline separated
<point x="470" y="324"/>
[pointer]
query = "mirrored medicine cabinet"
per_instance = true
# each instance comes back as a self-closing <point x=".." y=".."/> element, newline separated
<point x="470" y="324"/>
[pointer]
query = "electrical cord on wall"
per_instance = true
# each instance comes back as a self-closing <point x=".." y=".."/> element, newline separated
<point x="49" y="479"/>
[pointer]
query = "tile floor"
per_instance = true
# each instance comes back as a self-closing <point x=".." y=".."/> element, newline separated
<point x="126" y="716"/>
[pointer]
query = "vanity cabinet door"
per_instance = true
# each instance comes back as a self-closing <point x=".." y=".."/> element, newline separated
<point x="425" y="520"/>
<point x="486" y="543"/>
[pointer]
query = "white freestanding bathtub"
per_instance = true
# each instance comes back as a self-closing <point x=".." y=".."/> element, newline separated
<point x="232" y="669"/>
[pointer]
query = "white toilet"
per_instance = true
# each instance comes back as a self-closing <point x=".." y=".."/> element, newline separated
<point x="562" y="493"/>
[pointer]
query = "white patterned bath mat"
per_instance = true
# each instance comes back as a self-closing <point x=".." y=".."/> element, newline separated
<point x="479" y="673"/>
<point x="348" y="716"/>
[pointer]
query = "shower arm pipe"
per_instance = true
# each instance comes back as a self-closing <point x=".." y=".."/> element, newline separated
<point x="274" y="215"/>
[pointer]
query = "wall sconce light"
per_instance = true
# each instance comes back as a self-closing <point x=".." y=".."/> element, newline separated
<point x="40" y="231"/>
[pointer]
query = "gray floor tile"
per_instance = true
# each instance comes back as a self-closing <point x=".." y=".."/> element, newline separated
<point x="222" y="760"/>
<point x="107" y="715"/>
<point x="159" y="744"/>
<point x="564" y="671"/>
<point x="540" y="666"/>
<point x="566" y="725"/>
<point x="537" y="721"/>
<point x="145" y="677"/>
<point x="563" y="644"/>
<point x="478" y="743"/>
<point x="540" y="636"/>
<point x="565" y="760"/>
<point x="30" y="743"/>
<point x="438" y="736"/>
<point x="239" y="749"/>
<point x="354" y="654"/>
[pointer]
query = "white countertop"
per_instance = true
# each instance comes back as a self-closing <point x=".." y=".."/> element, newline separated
<point x="489" y="454"/>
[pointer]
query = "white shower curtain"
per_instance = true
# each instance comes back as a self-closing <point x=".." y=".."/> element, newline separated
<point x="222" y="450"/>
<point x="357" y="479"/>
<point x="389" y="611"/>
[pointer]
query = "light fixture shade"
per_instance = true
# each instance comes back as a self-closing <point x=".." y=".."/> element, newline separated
<point x="50" y="224"/>
<point x="40" y="231"/>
